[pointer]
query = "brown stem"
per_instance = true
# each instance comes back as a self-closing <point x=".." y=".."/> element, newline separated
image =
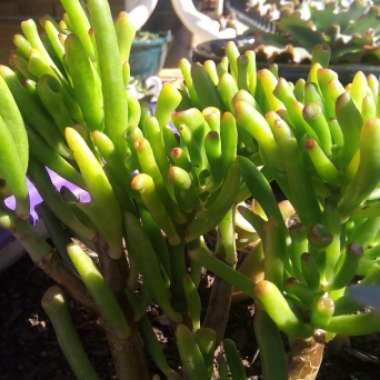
<point x="45" y="257"/>
<point x="54" y="268"/>
<point x="128" y="356"/>
<point x="114" y="271"/>
<point x="218" y="308"/>
<point x="305" y="359"/>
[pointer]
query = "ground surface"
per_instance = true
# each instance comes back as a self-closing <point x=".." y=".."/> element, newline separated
<point x="28" y="349"/>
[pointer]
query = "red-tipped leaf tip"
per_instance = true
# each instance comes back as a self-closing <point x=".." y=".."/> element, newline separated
<point x="139" y="182"/>
<point x="343" y="99"/>
<point x="263" y="287"/>
<point x="140" y="143"/>
<point x="122" y="15"/>
<point x="310" y="143"/>
<point x="311" y="111"/>
<point x="176" y="152"/>
<point x="214" y="135"/>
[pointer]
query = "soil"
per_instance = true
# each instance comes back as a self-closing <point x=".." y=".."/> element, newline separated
<point x="28" y="349"/>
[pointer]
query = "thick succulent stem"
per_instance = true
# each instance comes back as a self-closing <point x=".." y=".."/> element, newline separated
<point x="55" y="306"/>
<point x="128" y="356"/>
<point x="122" y="335"/>
<point x="305" y="359"/>
<point x="44" y="256"/>
<point x="113" y="270"/>
<point x="219" y="304"/>
<point x="218" y="308"/>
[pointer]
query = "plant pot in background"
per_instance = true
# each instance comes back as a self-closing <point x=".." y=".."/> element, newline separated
<point x="149" y="54"/>
<point x="214" y="50"/>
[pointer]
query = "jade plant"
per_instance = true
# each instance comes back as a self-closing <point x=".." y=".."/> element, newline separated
<point x="126" y="249"/>
<point x="318" y="140"/>
<point x="351" y="29"/>
<point x="186" y="187"/>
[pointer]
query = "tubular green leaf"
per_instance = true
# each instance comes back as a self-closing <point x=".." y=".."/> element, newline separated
<point x="322" y="312"/>
<point x="125" y="32"/>
<point x="234" y="360"/>
<point x="191" y="356"/>
<point x="108" y="219"/>
<point x="229" y="139"/>
<point x="273" y="362"/>
<point x="152" y="132"/>
<point x="368" y="173"/>
<point x="52" y="33"/>
<point x="140" y="244"/>
<point x="79" y="24"/>
<point x="205" y="88"/>
<point x="23" y="45"/>
<point x="227" y="88"/>
<point x="314" y="116"/>
<point x="55" y="306"/>
<point x="100" y="291"/>
<point x="275" y="251"/>
<point x="29" y="28"/>
<point x="232" y="52"/>
<point x="355" y="324"/>
<point x="278" y="309"/>
<point x="50" y="92"/>
<point x="55" y="202"/>
<point x="251" y="71"/>
<point x="33" y="113"/>
<point x="12" y="171"/>
<point x="86" y="83"/>
<point x="254" y="123"/>
<point x="10" y="114"/>
<point x="350" y="121"/>
<point x="260" y="189"/>
<point x="301" y="190"/>
<point x="49" y="157"/>
<point x="111" y="72"/>
<point x="349" y="266"/>
<point x="322" y="164"/>
<point x="213" y="213"/>
<point x="145" y="185"/>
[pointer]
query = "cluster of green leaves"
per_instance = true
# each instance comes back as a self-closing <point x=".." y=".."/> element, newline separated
<point x="351" y="29"/>
<point x="318" y="140"/>
<point x="187" y="186"/>
<point x="153" y="192"/>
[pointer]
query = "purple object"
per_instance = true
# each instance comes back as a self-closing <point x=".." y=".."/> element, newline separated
<point x="36" y="199"/>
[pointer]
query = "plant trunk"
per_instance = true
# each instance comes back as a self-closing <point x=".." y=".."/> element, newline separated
<point x="305" y="359"/>
<point x="114" y="271"/>
<point x="128" y="356"/>
<point x="218" y="309"/>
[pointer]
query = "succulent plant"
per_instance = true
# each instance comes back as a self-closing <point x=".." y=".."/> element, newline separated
<point x="351" y="29"/>
<point x="312" y="138"/>
<point x="187" y="187"/>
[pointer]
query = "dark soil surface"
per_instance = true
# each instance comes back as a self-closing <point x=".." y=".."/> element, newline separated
<point x="28" y="349"/>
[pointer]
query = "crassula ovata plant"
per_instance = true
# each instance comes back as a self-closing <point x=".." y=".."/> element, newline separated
<point x="187" y="187"/>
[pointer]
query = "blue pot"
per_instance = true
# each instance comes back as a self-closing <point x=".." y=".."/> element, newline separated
<point x="148" y="56"/>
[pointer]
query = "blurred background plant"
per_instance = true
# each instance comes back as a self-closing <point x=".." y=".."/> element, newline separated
<point x="350" y="28"/>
